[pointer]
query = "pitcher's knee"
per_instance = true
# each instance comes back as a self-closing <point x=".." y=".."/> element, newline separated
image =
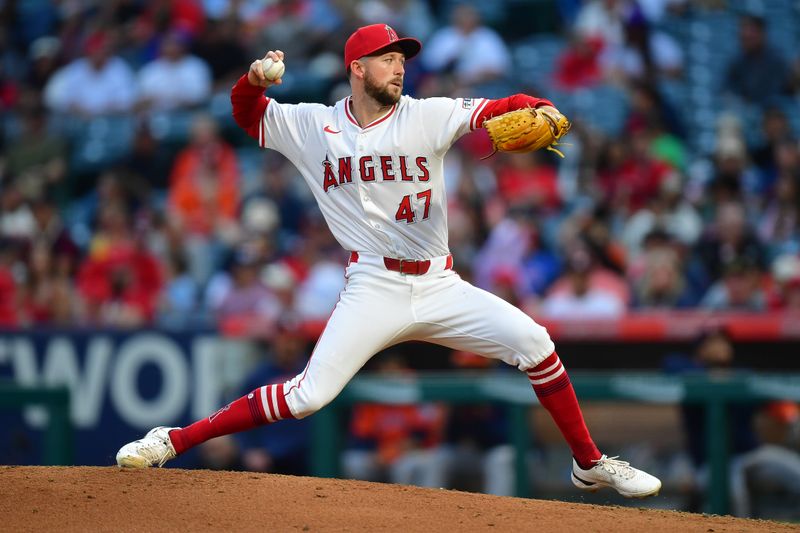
<point x="304" y="404"/>
<point x="536" y="346"/>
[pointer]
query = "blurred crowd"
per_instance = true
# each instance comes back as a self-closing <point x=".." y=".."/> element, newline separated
<point x="128" y="196"/>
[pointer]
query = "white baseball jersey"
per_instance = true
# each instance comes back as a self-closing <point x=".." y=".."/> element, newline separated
<point x="381" y="190"/>
<point x="381" y="187"/>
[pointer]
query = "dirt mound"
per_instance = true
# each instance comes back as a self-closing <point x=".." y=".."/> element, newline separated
<point x="109" y="499"/>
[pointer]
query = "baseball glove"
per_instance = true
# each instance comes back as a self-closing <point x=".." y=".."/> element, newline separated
<point x="526" y="130"/>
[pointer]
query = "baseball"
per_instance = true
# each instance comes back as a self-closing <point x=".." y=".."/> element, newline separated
<point x="272" y="70"/>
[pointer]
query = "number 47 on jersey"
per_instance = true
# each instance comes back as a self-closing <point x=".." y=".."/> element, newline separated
<point x="406" y="212"/>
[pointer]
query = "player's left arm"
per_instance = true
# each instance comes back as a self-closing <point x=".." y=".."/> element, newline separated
<point x="445" y="120"/>
<point x="494" y="108"/>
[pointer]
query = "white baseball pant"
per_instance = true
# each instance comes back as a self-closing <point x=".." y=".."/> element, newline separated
<point x="379" y="308"/>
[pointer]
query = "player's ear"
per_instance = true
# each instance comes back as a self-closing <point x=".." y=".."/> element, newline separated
<point x="358" y="68"/>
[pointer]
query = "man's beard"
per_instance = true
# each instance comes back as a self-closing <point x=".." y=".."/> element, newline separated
<point x="379" y="94"/>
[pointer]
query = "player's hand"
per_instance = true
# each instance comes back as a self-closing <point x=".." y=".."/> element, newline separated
<point x="548" y="109"/>
<point x="256" y="74"/>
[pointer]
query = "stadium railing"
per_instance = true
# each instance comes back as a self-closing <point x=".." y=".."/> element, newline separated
<point x="713" y="392"/>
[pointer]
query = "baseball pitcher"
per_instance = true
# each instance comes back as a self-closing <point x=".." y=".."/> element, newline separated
<point x="374" y="164"/>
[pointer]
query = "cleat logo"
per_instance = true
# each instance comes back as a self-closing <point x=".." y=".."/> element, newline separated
<point x="585" y="482"/>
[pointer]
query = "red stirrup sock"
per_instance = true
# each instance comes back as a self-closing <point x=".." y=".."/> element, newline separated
<point x="554" y="390"/>
<point x="262" y="406"/>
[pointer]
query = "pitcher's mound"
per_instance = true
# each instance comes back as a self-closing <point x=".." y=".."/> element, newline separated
<point x="109" y="499"/>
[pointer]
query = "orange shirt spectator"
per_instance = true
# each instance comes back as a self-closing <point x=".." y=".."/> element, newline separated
<point x="204" y="184"/>
<point x="395" y="429"/>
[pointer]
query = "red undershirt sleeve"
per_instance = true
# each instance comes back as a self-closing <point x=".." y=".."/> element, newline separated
<point x="249" y="104"/>
<point x="517" y="101"/>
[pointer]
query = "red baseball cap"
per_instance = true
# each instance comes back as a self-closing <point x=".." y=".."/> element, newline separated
<point x="367" y="40"/>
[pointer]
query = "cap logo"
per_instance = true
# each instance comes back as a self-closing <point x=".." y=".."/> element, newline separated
<point x="392" y="34"/>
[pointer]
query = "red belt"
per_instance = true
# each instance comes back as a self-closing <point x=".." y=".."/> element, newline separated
<point x="406" y="266"/>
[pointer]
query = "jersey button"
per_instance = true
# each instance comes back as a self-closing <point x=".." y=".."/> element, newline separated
<point x="376" y="225"/>
<point x="366" y="198"/>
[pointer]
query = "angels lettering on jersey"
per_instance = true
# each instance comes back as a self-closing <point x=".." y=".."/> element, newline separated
<point x="375" y="184"/>
<point x="374" y="169"/>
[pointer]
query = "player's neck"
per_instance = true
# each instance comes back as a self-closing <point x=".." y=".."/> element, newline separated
<point x="366" y="109"/>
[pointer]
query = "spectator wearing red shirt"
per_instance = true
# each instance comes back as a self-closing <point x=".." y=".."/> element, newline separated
<point x="791" y="295"/>
<point x="120" y="280"/>
<point x="528" y="179"/>
<point x="8" y="287"/>
<point x="578" y="66"/>
<point x="630" y="179"/>
<point x="182" y="15"/>
<point x="783" y="289"/>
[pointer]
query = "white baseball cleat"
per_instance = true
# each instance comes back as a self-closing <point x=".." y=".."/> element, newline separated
<point x="619" y="475"/>
<point x="155" y="448"/>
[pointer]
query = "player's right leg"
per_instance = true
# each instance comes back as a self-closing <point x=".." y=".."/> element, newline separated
<point x="372" y="314"/>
